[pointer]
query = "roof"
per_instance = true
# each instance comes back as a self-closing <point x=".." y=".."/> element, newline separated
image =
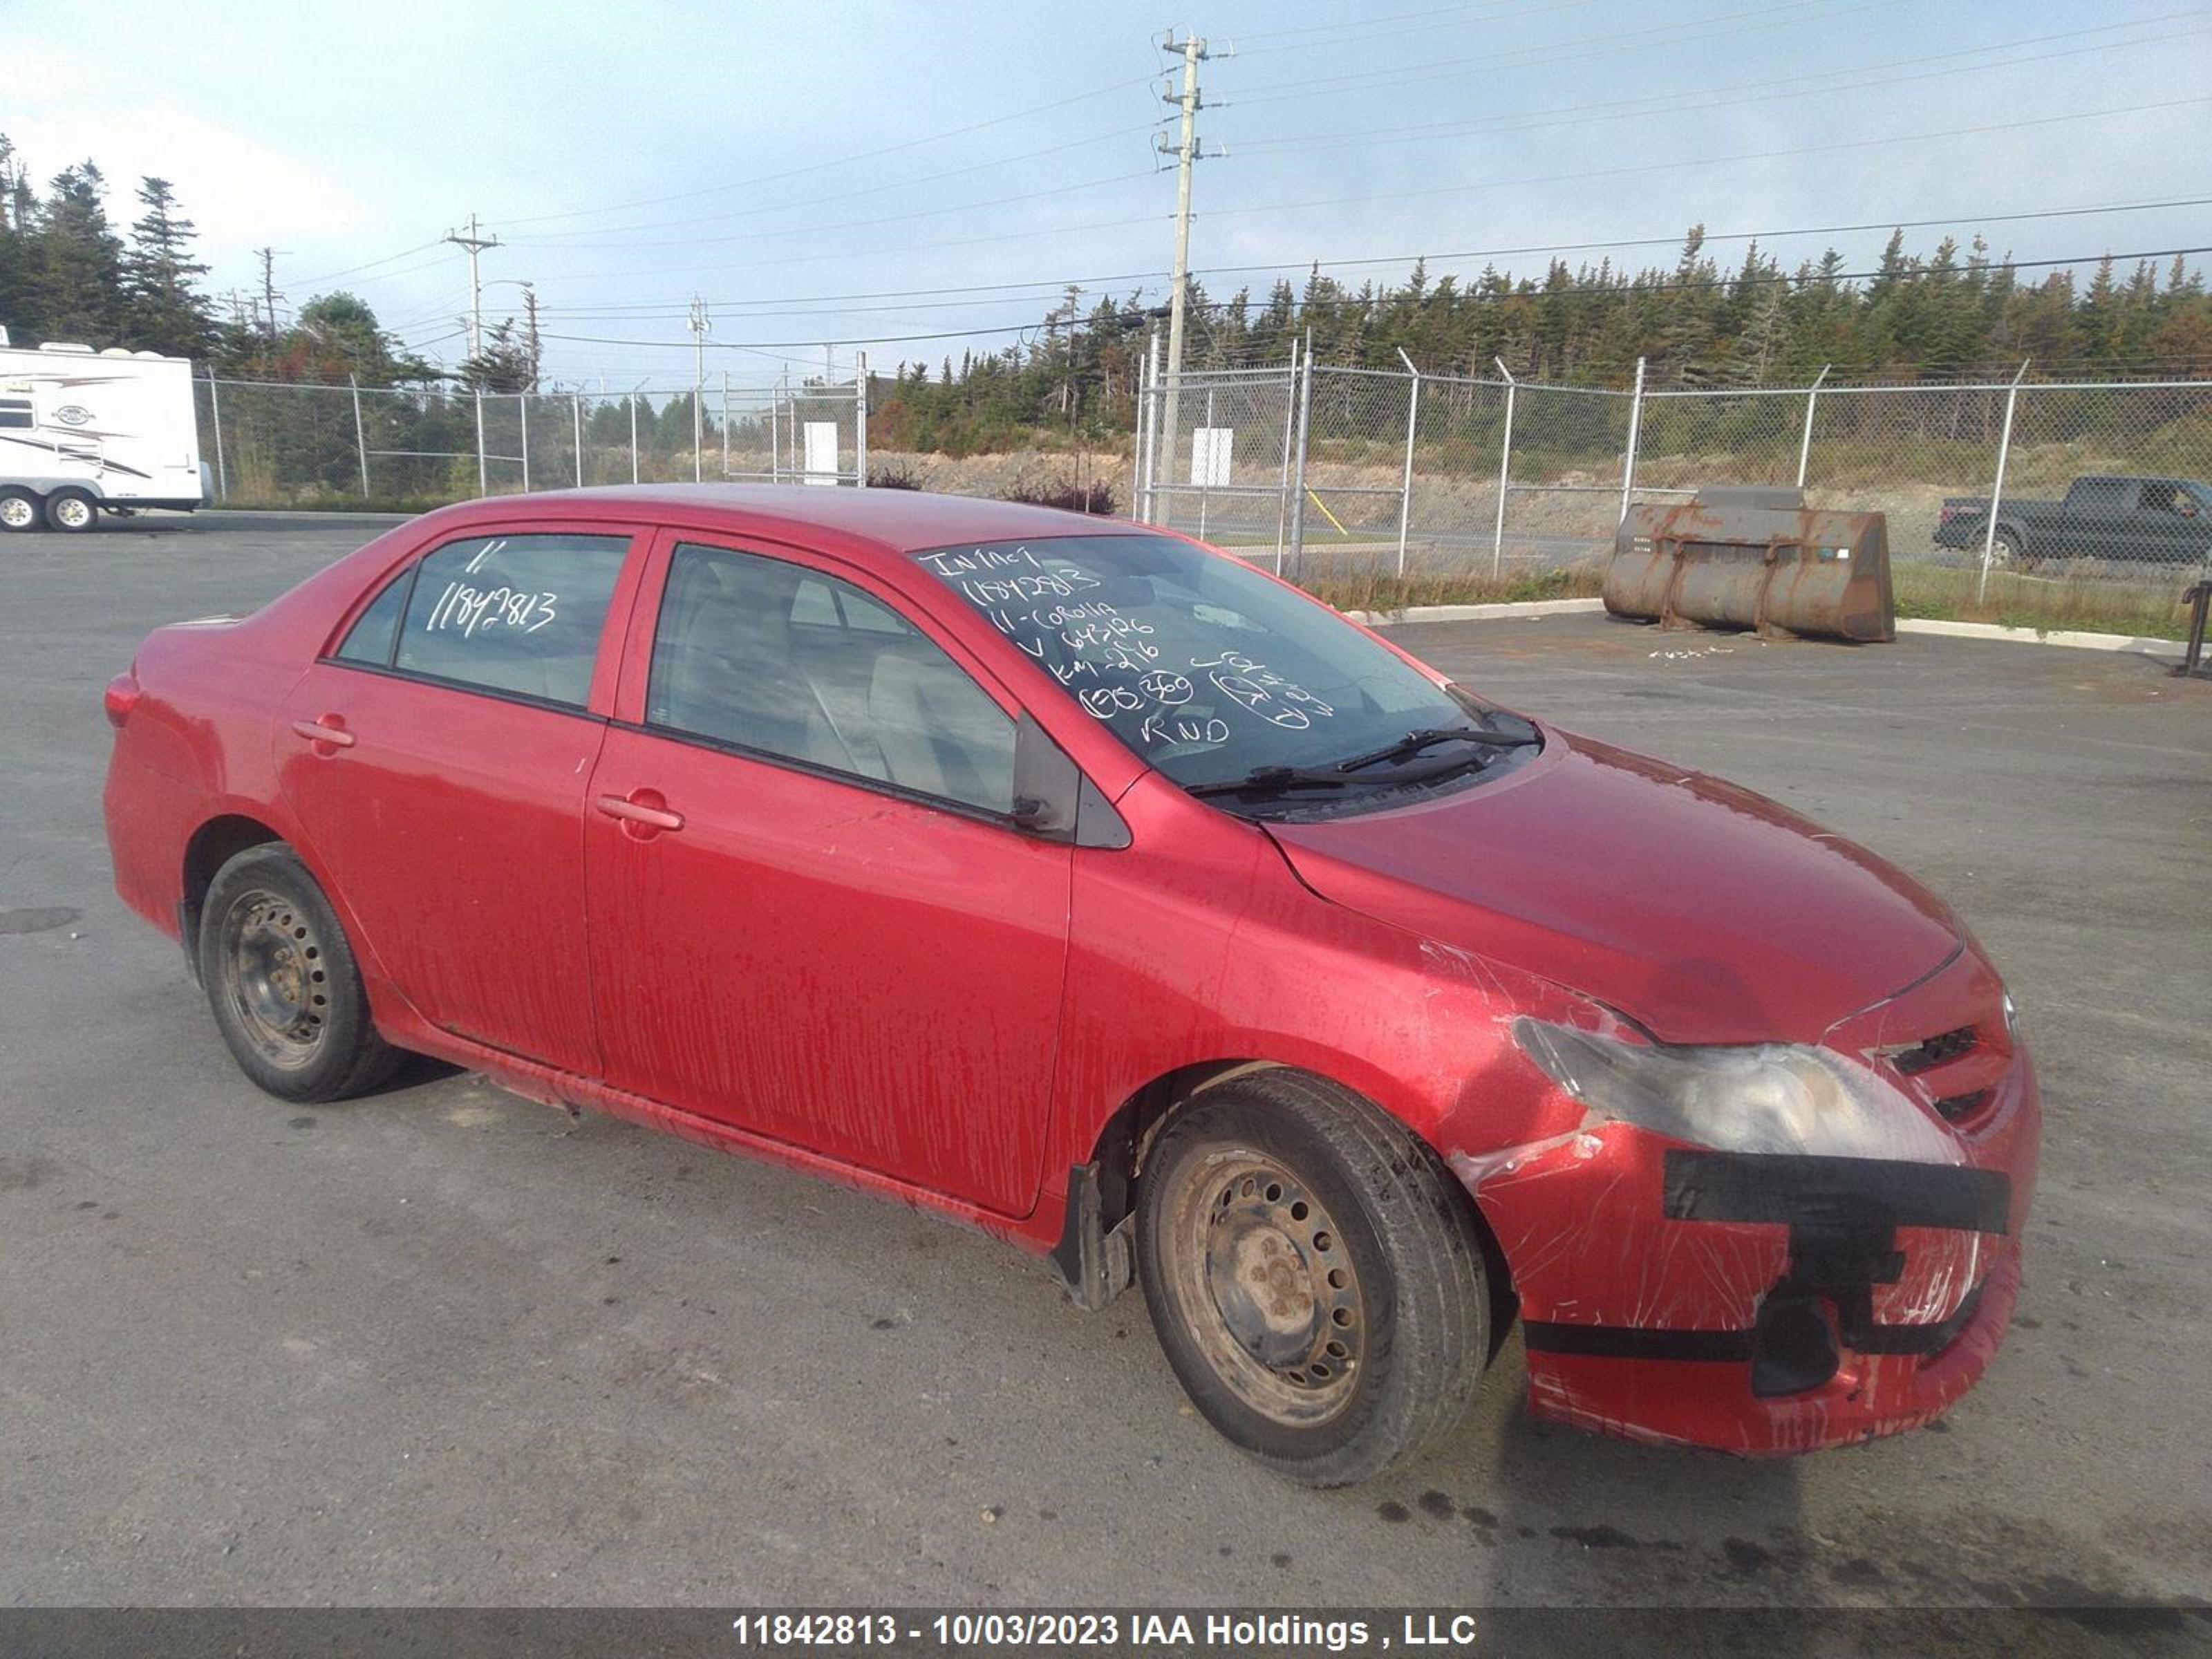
<point x="901" y="519"/>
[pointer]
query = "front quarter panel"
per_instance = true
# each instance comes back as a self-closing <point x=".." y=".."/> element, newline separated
<point x="1198" y="945"/>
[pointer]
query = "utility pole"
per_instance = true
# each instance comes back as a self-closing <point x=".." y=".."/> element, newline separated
<point x="269" y="293"/>
<point x="475" y="242"/>
<point x="1187" y="151"/>
<point x="699" y="326"/>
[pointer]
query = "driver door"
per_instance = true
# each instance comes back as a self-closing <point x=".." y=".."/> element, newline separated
<point x="811" y="915"/>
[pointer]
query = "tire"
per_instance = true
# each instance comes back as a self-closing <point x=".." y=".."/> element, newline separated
<point x="1378" y="1328"/>
<point x="2004" y="552"/>
<point x="281" y="982"/>
<point x="71" y="511"/>
<point x="20" y="510"/>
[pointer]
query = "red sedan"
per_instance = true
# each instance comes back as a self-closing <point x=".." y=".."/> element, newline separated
<point x="1075" y="880"/>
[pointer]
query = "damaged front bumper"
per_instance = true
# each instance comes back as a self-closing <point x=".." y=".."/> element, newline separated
<point x="1765" y="1304"/>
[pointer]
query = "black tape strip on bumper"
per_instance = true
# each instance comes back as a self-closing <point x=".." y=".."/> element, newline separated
<point x="1643" y="1342"/>
<point x="1800" y="1191"/>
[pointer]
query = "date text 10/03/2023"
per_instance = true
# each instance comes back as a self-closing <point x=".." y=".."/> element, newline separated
<point x="1167" y="1631"/>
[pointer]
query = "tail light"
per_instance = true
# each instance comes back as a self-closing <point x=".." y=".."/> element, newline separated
<point x="121" y="697"/>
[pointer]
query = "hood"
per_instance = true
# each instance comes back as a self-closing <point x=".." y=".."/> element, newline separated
<point x="1703" y="911"/>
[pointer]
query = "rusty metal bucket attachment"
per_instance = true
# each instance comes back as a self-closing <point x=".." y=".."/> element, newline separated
<point x="1754" y="558"/>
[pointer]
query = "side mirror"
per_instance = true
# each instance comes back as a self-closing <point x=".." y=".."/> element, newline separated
<point x="1053" y="801"/>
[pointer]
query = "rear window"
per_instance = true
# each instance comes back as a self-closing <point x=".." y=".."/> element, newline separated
<point x="519" y="614"/>
<point x="376" y="630"/>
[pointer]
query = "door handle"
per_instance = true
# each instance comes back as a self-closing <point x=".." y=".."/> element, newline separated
<point x="324" y="729"/>
<point x="643" y="807"/>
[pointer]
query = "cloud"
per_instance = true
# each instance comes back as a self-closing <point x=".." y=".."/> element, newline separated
<point x="239" y="191"/>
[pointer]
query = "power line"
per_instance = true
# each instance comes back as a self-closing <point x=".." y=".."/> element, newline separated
<point x="841" y="160"/>
<point x="547" y="237"/>
<point x="884" y="218"/>
<point x="1369" y="28"/>
<point x="818" y="255"/>
<point x="1049" y="288"/>
<point x="1636" y="109"/>
<point x="1627" y="289"/>
<point x="1716" y="161"/>
<point x="389" y="258"/>
<point x="1688" y="31"/>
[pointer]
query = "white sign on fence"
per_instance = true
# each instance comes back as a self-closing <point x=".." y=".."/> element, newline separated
<point x="1209" y="455"/>
<point x="821" y="437"/>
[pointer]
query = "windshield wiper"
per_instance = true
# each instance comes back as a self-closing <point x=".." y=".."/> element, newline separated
<point x="1429" y="736"/>
<point x="1269" y="780"/>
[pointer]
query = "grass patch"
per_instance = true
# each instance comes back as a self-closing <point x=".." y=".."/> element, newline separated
<point x="2041" y="604"/>
<point x="1382" y="590"/>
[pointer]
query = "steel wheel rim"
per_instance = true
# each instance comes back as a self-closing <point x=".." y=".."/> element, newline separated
<point x="72" y="512"/>
<point x="275" y="978"/>
<point x="17" y="513"/>
<point x="1264" y="1281"/>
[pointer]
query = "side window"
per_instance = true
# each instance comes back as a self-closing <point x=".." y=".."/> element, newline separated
<point x="512" y="613"/>
<point x="15" y="412"/>
<point x="770" y="657"/>
<point x="371" y="637"/>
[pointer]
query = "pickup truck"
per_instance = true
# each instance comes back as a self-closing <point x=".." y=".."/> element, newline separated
<point x="2126" y="520"/>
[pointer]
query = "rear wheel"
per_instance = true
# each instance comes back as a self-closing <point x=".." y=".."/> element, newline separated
<point x="1314" y="1274"/>
<point x="281" y="979"/>
<point x="70" y="511"/>
<point x="19" y="510"/>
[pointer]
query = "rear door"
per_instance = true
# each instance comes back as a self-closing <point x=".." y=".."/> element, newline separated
<point x="811" y="915"/>
<point x="436" y="760"/>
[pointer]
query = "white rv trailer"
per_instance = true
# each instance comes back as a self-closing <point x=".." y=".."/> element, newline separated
<point x="83" y="432"/>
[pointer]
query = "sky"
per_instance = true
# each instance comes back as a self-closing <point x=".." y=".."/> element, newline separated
<point x="915" y="180"/>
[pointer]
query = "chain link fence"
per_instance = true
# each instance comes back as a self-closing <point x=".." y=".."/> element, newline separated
<point x="292" y="445"/>
<point x="812" y="433"/>
<point x="1325" y="472"/>
<point x="1216" y="461"/>
<point x="1420" y="475"/>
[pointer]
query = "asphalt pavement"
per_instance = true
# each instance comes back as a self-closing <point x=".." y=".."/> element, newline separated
<point x="446" y="1347"/>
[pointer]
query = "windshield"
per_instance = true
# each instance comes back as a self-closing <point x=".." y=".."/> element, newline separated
<point x="1206" y="668"/>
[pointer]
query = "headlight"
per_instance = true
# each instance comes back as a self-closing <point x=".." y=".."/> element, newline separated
<point x="1773" y="1097"/>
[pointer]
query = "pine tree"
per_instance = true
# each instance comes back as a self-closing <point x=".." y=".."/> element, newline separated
<point x="163" y="309"/>
<point x="77" y="273"/>
<point x="18" y="213"/>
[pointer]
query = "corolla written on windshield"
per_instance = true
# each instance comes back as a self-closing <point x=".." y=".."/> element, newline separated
<point x="1204" y="666"/>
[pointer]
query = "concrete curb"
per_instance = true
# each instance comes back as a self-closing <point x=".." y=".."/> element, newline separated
<point x="2079" y="641"/>
<point x="1427" y="613"/>
<point x="1964" y="631"/>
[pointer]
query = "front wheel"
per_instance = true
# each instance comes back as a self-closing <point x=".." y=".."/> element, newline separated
<point x="70" y="511"/>
<point x="281" y="979"/>
<point x="19" y="510"/>
<point x="1314" y="1274"/>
